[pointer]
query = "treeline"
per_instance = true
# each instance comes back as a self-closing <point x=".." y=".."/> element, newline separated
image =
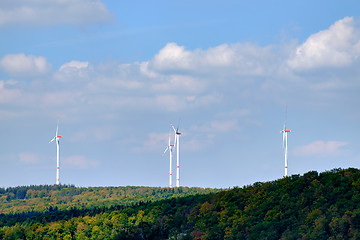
<point x="21" y="192"/>
<point x="312" y="206"/>
<point x="64" y="197"/>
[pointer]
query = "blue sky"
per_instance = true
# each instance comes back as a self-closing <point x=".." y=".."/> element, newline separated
<point x="117" y="73"/>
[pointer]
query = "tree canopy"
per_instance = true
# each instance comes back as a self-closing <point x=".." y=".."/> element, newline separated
<point x="313" y="206"/>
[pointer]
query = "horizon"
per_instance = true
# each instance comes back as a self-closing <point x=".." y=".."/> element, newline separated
<point x="161" y="187"/>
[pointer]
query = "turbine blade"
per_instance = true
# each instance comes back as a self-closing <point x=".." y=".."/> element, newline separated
<point x="177" y="129"/>
<point x="52" y="140"/>
<point x="173" y="128"/>
<point x="165" y="150"/>
<point x="57" y="128"/>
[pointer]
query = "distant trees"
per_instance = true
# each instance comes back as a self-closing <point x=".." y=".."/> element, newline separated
<point x="312" y="206"/>
<point x="40" y="198"/>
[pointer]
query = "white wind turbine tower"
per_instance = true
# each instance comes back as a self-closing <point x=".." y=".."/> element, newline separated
<point x="170" y="148"/>
<point x="285" y="132"/>
<point x="177" y="143"/>
<point x="57" y="140"/>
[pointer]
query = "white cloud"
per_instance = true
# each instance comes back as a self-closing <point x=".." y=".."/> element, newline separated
<point x="8" y="95"/>
<point x="79" y="161"/>
<point x="320" y="148"/>
<point x="50" y="12"/>
<point x="241" y="58"/>
<point x="238" y="59"/>
<point x="107" y="77"/>
<point x="22" y="65"/>
<point x="80" y="85"/>
<point x="334" y="47"/>
<point x="176" y="83"/>
<point x="74" y="65"/>
<point x="174" y="80"/>
<point x="73" y="71"/>
<point x="222" y="55"/>
<point x="172" y="57"/>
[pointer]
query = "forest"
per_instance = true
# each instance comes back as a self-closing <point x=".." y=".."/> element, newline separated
<point x="312" y="206"/>
<point x="63" y="197"/>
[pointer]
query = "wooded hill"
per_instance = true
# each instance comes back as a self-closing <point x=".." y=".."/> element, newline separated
<point x="312" y="206"/>
<point x="64" y="197"/>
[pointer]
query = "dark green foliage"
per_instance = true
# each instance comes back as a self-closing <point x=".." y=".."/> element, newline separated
<point x="312" y="206"/>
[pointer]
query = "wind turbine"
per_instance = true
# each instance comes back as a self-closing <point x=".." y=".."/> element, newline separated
<point x="57" y="139"/>
<point x="170" y="148"/>
<point x="285" y="132"/>
<point x="177" y="143"/>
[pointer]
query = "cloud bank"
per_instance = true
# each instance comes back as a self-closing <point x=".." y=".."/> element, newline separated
<point x="22" y="65"/>
<point x="334" y="47"/>
<point x="239" y="58"/>
<point x="177" y="79"/>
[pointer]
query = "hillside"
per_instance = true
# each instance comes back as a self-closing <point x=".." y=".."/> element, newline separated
<point x="312" y="206"/>
<point x="64" y="197"/>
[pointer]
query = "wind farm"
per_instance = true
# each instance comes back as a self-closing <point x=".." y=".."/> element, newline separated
<point x="169" y="148"/>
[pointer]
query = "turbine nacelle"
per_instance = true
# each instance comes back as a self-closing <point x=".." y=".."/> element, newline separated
<point x="284" y="131"/>
<point x="56" y="137"/>
<point x="176" y="130"/>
